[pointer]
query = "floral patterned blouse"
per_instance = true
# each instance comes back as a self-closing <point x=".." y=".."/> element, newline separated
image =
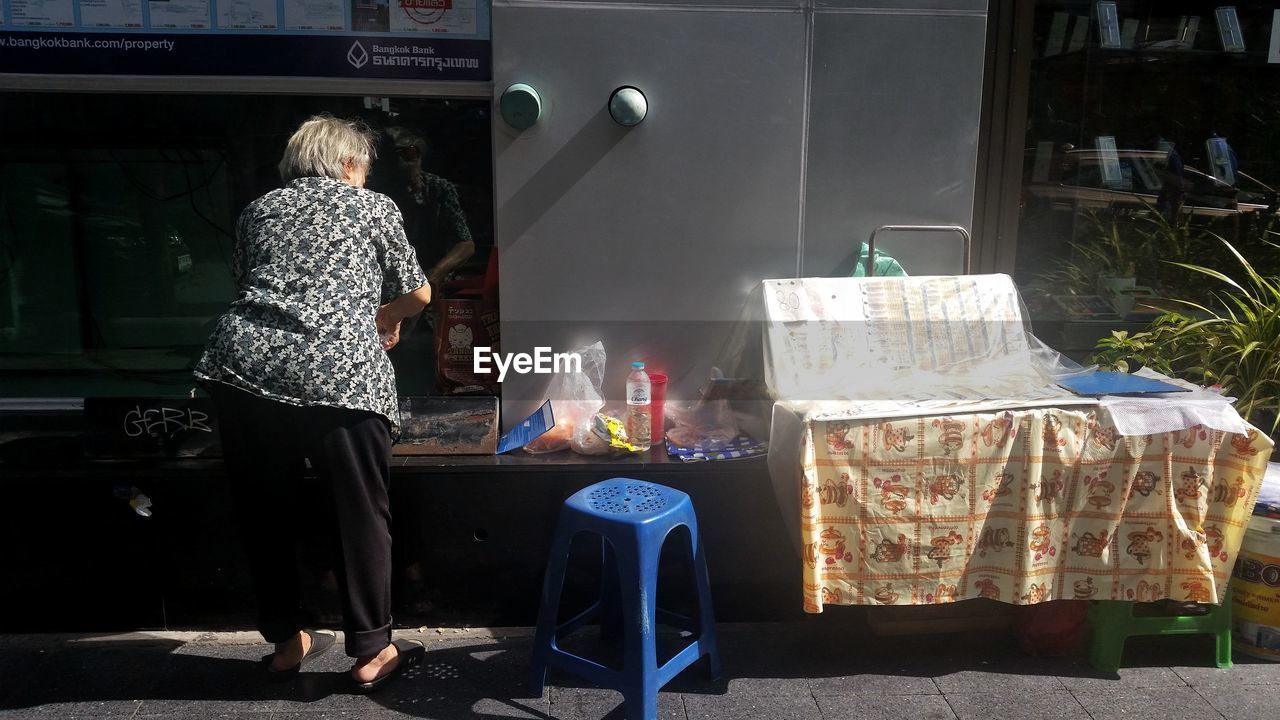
<point x="313" y="260"/>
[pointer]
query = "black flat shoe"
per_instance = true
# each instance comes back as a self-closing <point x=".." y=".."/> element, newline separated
<point x="411" y="654"/>
<point x="320" y="642"/>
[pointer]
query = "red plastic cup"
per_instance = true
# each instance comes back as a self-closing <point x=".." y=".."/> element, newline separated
<point x="657" y="400"/>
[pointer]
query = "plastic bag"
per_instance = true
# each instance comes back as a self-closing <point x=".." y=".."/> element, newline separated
<point x="603" y="434"/>
<point x="585" y="441"/>
<point x="701" y="422"/>
<point x="575" y="398"/>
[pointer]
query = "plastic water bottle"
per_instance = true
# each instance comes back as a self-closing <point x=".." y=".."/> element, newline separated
<point x="639" y="423"/>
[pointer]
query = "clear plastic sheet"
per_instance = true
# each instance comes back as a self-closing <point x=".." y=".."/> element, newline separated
<point x="575" y="399"/>
<point x="839" y="353"/>
<point x="903" y="346"/>
<point x="942" y="338"/>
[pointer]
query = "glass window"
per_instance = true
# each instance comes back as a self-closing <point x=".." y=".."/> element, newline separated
<point x="117" y="213"/>
<point x="1152" y="131"/>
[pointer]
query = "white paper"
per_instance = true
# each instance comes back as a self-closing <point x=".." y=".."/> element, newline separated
<point x="247" y="14"/>
<point x="1229" y="29"/>
<point x="433" y="16"/>
<point x="1149" y="415"/>
<point x="43" y="13"/>
<point x="1110" y="166"/>
<point x="1270" y="491"/>
<point x="943" y="338"/>
<point x="315" y="15"/>
<point x="193" y="14"/>
<point x="111" y="13"/>
<point x="1108" y="24"/>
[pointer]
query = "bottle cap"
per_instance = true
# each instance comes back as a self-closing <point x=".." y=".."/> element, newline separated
<point x="638" y="365"/>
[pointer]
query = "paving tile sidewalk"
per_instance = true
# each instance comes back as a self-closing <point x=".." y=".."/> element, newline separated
<point x="819" y="669"/>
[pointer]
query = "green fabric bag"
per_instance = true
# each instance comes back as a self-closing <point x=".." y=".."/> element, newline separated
<point x="885" y="265"/>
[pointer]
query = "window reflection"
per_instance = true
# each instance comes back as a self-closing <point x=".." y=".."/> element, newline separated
<point x="117" y="215"/>
<point x="1151" y="132"/>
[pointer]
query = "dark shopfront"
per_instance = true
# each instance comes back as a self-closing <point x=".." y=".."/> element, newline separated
<point x="115" y="299"/>
<point x="119" y="195"/>
<point x="481" y="528"/>
<point x="120" y="186"/>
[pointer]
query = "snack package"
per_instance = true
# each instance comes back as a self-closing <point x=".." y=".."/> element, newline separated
<point x="613" y="431"/>
<point x="575" y="398"/>
<point x="461" y="325"/>
<point x="605" y="434"/>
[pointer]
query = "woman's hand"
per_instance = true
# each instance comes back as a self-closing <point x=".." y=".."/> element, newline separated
<point x="390" y="336"/>
<point x="388" y="317"/>
<point x="388" y="329"/>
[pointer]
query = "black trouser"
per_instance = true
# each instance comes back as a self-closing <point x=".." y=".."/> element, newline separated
<point x="265" y="445"/>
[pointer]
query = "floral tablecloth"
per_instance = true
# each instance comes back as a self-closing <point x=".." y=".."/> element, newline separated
<point x="1021" y="506"/>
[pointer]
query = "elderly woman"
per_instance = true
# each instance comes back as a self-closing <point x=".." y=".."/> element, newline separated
<point x="299" y="371"/>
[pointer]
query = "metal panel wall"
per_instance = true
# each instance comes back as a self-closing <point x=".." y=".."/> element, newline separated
<point x="908" y="7"/>
<point x="893" y="137"/>
<point x="647" y="238"/>
<point x="779" y="134"/>
<point x="673" y="4"/>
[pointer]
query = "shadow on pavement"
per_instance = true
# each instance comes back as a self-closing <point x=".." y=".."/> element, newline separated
<point x="486" y="678"/>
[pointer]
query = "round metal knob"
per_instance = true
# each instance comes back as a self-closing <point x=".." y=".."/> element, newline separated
<point x="520" y="106"/>
<point x="628" y="106"/>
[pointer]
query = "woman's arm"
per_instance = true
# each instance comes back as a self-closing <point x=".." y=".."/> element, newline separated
<point x="401" y="274"/>
<point x="389" y="316"/>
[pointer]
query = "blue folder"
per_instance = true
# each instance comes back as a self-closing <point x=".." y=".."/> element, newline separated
<point x="529" y="429"/>
<point x="1099" y="383"/>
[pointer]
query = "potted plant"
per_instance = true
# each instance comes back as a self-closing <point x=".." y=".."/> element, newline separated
<point x="1104" y="259"/>
<point x="1232" y="340"/>
<point x="1116" y="254"/>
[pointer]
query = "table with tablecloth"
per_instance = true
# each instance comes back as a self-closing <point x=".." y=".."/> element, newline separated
<point x="1018" y="505"/>
<point x="922" y="451"/>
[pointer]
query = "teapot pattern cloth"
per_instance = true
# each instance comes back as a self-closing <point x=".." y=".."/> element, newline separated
<point x="1021" y="506"/>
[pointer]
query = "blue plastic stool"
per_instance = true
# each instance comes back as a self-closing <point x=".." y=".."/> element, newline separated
<point x="634" y="517"/>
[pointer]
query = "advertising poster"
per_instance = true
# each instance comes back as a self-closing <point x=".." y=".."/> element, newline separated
<point x="434" y="40"/>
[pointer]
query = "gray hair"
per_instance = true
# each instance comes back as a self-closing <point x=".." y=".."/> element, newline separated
<point x="323" y="144"/>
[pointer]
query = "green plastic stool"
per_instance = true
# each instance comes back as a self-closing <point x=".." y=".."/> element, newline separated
<point x="1113" y="622"/>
